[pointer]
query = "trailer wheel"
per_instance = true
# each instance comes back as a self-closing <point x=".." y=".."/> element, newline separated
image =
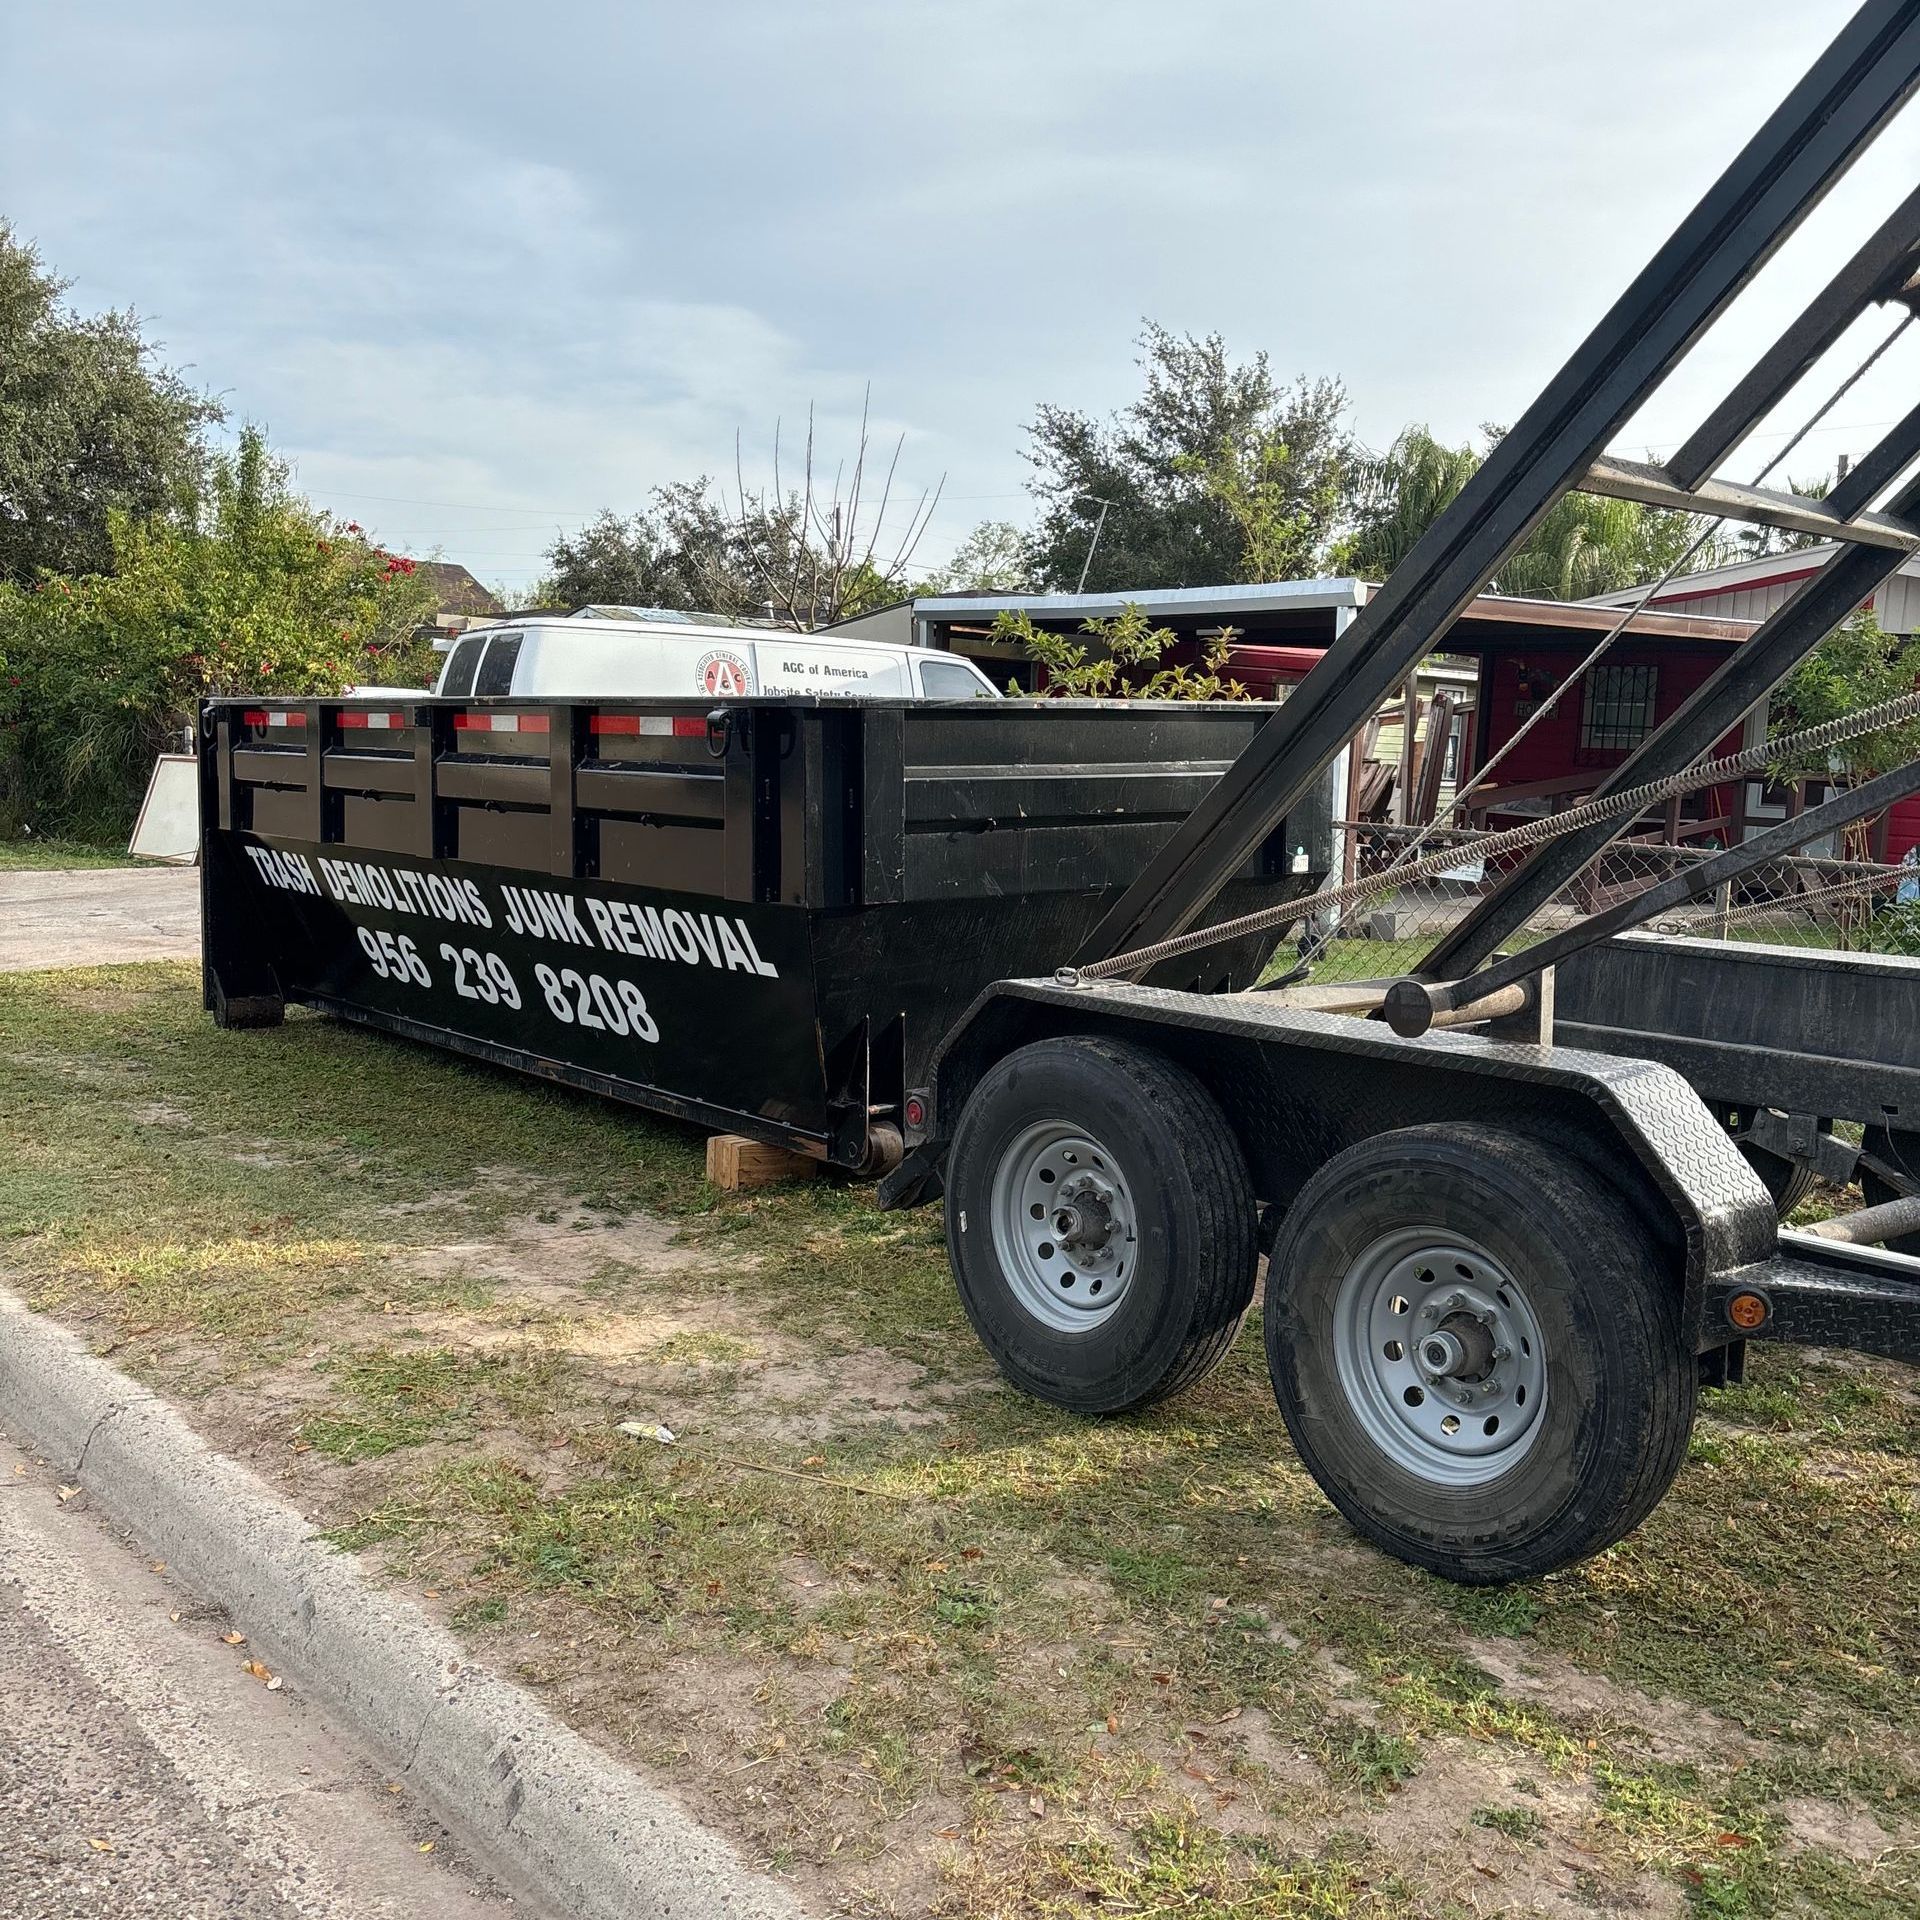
<point x="1477" y="1349"/>
<point x="1100" y="1223"/>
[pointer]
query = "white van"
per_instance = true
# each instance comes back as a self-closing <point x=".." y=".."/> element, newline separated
<point x="623" y="658"/>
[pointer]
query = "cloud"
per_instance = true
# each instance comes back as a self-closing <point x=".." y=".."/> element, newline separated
<point x="531" y="264"/>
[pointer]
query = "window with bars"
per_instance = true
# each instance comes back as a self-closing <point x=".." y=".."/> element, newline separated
<point x="1618" y="712"/>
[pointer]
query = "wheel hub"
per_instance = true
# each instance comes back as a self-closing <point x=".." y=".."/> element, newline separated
<point x="1083" y="1222"/>
<point x="1064" y="1226"/>
<point x="1441" y="1356"/>
<point x="1461" y="1348"/>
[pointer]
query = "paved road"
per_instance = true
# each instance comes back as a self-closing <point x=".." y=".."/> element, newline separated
<point x="144" y="1772"/>
<point x="90" y="917"/>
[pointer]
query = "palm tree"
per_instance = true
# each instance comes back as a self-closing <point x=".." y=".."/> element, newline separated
<point x="1398" y="495"/>
<point x="1585" y="545"/>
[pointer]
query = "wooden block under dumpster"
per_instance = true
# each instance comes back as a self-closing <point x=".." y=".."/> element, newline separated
<point x="735" y="1163"/>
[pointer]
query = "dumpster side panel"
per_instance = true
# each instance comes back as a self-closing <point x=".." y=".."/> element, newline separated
<point x="659" y="993"/>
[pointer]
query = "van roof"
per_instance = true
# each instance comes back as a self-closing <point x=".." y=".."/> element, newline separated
<point x="625" y="628"/>
<point x="683" y="629"/>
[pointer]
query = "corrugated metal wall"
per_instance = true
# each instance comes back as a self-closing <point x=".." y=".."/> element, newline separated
<point x="1897" y="604"/>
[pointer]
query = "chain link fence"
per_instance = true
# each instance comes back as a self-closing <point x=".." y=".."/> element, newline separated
<point x="1806" y="900"/>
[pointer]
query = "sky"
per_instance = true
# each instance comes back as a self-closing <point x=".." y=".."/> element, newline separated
<point x="482" y="270"/>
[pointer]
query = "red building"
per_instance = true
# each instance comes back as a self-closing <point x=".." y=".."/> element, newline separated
<point x="1752" y="590"/>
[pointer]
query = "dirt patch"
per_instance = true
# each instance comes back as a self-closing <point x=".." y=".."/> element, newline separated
<point x="801" y="1395"/>
<point x="543" y="1257"/>
<point x="1551" y="1871"/>
<point x="1836" y="1827"/>
<point x="1585" y="1701"/>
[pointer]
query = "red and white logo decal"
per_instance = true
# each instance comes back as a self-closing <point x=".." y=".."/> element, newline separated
<point x="723" y="673"/>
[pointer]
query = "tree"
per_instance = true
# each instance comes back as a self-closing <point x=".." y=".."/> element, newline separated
<point x="682" y="553"/>
<point x="800" y="556"/>
<point x="1585" y="545"/>
<point x="1397" y="495"/>
<point x="1590" y="544"/>
<point x="1110" y="662"/>
<point x="257" y="593"/>
<point x="90" y="426"/>
<point x="995" y="557"/>
<point x="1856" y="666"/>
<point x="1215" y="472"/>
<point x="1280" y="505"/>
<point x="815" y="552"/>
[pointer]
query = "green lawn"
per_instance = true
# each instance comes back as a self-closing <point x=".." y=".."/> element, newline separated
<point x="927" y="1646"/>
<point x="34" y="855"/>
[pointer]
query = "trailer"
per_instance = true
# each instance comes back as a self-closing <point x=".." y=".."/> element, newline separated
<point x="1498" y="1269"/>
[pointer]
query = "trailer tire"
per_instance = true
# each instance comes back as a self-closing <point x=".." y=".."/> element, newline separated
<point x="1899" y="1152"/>
<point x="1518" y="1268"/>
<point x="1128" y="1156"/>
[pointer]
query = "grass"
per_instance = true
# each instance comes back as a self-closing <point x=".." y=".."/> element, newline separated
<point x="34" y="855"/>
<point x="925" y="1645"/>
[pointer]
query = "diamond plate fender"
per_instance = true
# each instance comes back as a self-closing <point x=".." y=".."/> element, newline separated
<point x="1298" y="1087"/>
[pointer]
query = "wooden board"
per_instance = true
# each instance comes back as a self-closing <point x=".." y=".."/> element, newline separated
<point x="735" y="1163"/>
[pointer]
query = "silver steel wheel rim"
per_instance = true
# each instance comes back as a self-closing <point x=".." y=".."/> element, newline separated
<point x="1065" y="1229"/>
<point x="1440" y="1356"/>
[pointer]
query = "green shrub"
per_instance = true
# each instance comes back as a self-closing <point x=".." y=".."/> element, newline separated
<point x="260" y="595"/>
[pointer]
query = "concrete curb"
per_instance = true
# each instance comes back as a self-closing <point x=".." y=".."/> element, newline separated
<point x="543" y="1806"/>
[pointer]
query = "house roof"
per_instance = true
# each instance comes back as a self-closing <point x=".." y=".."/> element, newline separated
<point x="1741" y="576"/>
<point x="1305" y="612"/>
<point x="455" y="589"/>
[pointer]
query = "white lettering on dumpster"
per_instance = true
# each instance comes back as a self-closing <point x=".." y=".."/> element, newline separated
<point x="290" y="872"/>
<point x="649" y="934"/>
<point x="544" y="915"/>
<point x="721" y="941"/>
<point x="402" y="890"/>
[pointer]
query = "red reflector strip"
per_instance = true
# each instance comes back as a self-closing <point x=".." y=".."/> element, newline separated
<point x="260" y="717"/>
<point x="685" y="726"/>
<point x="500" y="723"/>
<point x="378" y="722"/>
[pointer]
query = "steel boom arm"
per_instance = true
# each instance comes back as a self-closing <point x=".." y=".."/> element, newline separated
<point x="1844" y="101"/>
